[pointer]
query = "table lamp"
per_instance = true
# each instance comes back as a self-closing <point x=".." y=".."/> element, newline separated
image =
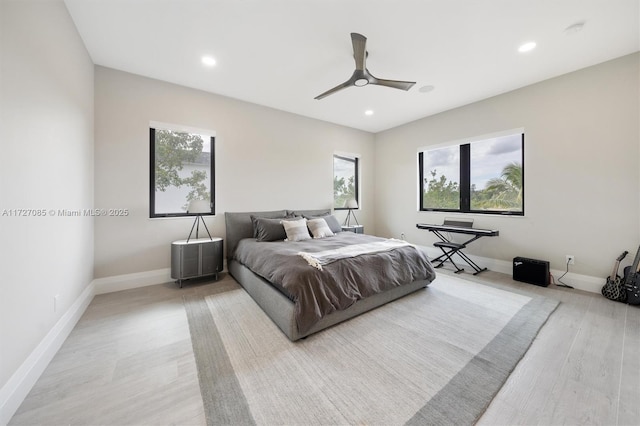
<point x="199" y="207"/>
<point x="351" y="204"/>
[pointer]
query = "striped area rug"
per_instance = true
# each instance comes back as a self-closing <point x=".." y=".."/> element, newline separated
<point x="437" y="356"/>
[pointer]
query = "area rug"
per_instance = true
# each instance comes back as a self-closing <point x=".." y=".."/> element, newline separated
<point x="437" y="356"/>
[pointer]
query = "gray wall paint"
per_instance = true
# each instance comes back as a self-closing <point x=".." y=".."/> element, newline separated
<point x="46" y="162"/>
<point x="581" y="168"/>
<point x="265" y="160"/>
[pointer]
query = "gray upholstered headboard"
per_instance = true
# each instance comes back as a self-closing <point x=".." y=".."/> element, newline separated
<point x="239" y="224"/>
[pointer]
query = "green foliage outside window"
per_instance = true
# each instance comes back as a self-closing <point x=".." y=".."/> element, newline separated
<point x="343" y="190"/>
<point x="172" y="151"/>
<point x="504" y="193"/>
<point x="500" y="194"/>
<point x="441" y="193"/>
<point x="345" y="180"/>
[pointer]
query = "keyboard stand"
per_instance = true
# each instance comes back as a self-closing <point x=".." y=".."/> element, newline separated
<point x="450" y="248"/>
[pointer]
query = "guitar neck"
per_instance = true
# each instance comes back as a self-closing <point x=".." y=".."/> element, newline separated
<point x="616" y="265"/>
<point x="614" y="271"/>
<point x="635" y="266"/>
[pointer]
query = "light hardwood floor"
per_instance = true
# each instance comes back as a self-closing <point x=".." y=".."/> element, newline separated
<point x="129" y="361"/>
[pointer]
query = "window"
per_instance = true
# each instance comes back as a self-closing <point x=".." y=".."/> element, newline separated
<point x="483" y="176"/>
<point x="181" y="170"/>
<point x="345" y="181"/>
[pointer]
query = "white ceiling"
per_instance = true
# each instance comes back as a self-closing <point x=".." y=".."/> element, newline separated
<point x="283" y="53"/>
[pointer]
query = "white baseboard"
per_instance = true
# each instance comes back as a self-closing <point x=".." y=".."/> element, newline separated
<point x="578" y="281"/>
<point x="129" y="281"/>
<point x="19" y="385"/>
<point x="16" y="389"/>
<point x="137" y="279"/>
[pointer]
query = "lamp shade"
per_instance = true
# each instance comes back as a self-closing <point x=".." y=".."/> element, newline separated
<point x="199" y="206"/>
<point x="351" y="203"/>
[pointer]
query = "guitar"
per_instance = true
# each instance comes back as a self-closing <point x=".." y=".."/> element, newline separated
<point x="632" y="281"/>
<point x="614" y="288"/>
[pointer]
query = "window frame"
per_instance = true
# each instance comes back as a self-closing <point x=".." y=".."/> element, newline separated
<point x="356" y="182"/>
<point x="152" y="174"/>
<point x="465" y="179"/>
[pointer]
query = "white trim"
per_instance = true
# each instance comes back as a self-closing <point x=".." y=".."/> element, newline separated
<point x="181" y="128"/>
<point x="578" y="281"/>
<point x="347" y="154"/>
<point x="137" y="279"/>
<point x="129" y="281"/>
<point x="13" y="393"/>
<point x="471" y="139"/>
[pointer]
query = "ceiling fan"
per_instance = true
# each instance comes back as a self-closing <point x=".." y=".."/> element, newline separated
<point x="361" y="76"/>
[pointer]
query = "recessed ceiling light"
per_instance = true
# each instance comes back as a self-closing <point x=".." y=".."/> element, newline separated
<point x="368" y="112"/>
<point x="426" y="89"/>
<point x="575" y="28"/>
<point x="527" y="47"/>
<point x="208" y="60"/>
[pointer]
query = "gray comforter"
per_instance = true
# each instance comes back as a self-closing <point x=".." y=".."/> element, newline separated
<point x="339" y="284"/>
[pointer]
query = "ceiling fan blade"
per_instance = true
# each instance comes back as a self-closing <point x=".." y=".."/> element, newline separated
<point x="403" y="85"/>
<point x="335" y="89"/>
<point x="361" y="76"/>
<point x="359" y="50"/>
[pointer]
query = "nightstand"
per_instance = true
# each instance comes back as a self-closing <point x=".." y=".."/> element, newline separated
<point x="358" y="229"/>
<point x="196" y="258"/>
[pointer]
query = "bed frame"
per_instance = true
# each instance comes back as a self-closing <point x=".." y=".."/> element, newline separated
<point x="273" y="302"/>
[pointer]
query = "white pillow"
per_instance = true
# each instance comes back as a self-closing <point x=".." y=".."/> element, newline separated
<point x="319" y="228"/>
<point x="296" y="230"/>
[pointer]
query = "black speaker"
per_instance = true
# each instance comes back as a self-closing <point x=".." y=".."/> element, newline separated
<point x="531" y="271"/>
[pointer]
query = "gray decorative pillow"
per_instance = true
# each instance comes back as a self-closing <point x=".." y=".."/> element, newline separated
<point x="296" y="230"/>
<point x="319" y="228"/>
<point x="266" y="229"/>
<point x="331" y="220"/>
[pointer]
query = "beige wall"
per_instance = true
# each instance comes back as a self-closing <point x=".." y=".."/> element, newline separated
<point x="581" y="168"/>
<point x="46" y="162"/>
<point x="265" y="160"/>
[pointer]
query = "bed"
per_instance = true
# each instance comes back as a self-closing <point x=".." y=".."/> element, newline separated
<point x="304" y="293"/>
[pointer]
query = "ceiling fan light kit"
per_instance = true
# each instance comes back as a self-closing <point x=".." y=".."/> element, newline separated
<point x="361" y="75"/>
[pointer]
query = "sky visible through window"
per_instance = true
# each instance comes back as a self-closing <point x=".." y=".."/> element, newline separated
<point x="488" y="158"/>
<point x="345" y="180"/>
<point x="342" y="168"/>
<point x="206" y="146"/>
